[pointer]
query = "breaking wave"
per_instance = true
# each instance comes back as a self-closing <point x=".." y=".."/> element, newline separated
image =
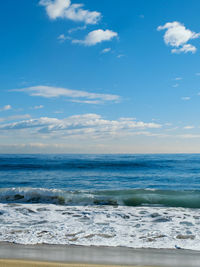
<point x="133" y="197"/>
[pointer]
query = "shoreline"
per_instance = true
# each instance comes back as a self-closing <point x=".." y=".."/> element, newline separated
<point x="84" y="255"/>
<point x="25" y="263"/>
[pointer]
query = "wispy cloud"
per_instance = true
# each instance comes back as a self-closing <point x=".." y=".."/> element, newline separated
<point x="86" y="124"/>
<point x="185" y="49"/>
<point x="62" y="38"/>
<point x="177" y="36"/>
<point x="80" y="28"/>
<point x="106" y="50"/>
<point x="120" y="55"/>
<point x="86" y="101"/>
<point x="38" y="107"/>
<point x="6" y="107"/>
<point x="72" y="95"/>
<point x="186" y="98"/>
<point x="178" y="78"/>
<point x="65" y="10"/>
<point x="58" y="111"/>
<point x="188" y="136"/>
<point x="15" y="117"/>
<point x="96" y="36"/>
<point x="188" y="127"/>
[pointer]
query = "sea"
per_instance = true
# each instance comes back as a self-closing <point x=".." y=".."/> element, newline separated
<point x="137" y="201"/>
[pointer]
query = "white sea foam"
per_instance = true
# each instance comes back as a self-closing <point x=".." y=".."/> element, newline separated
<point x="154" y="227"/>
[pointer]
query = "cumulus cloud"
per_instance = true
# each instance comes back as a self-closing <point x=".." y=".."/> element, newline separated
<point x="177" y="36"/>
<point x="55" y="9"/>
<point x="64" y="9"/>
<point x="72" y="95"/>
<point x="96" y="36"/>
<point x="6" y="107"/>
<point x="85" y="124"/>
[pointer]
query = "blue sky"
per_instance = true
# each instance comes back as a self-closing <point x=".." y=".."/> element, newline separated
<point x="100" y="76"/>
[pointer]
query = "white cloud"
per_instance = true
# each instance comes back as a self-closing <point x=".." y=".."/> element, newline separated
<point x="86" y="101"/>
<point x="49" y="92"/>
<point x="185" y="49"/>
<point x="85" y="124"/>
<point x="96" y="36"/>
<point x="76" y="13"/>
<point x="186" y="98"/>
<point x="178" y="78"/>
<point x="64" y="9"/>
<point x="177" y="36"/>
<point x="55" y="9"/>
<point x="32" y="123"/>
<point x="62" y="37"/>
<point x="188" y="127"/>
<point x="38" y="107"/>
<point x="106" y="50"/>
<point x="6" y="107"/>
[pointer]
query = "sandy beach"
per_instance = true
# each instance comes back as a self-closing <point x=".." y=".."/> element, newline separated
<point x="24" y="263"/>
<point x="12" y="254"/>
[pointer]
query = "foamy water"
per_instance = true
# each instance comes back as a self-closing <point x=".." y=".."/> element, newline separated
<point x="155" y="227"/>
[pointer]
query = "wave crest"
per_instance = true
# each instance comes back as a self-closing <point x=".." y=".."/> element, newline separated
<point x="134" y="197"/>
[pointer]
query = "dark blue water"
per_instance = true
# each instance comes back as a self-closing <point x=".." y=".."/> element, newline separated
<point x="101" y="172"/>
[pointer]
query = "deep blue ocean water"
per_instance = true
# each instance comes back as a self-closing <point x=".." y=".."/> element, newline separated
<point x="121" y="178"/>
<point x="99" y="172"/>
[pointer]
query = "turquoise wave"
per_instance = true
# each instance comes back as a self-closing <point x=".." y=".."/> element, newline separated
<point x="133" y="197"/>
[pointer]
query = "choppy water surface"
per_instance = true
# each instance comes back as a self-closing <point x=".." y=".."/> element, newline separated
<point x="114" y="200"/>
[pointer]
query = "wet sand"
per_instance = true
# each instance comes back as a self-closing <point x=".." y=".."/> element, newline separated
<point x="23" y="263"/>
<point x="84" y="256"/>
